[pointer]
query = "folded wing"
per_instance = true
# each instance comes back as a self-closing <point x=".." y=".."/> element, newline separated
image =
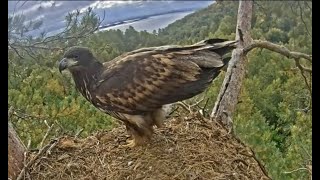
<point x="145" y="79"/>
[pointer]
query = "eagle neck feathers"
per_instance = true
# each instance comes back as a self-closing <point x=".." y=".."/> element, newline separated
<point x="86" y="78"/>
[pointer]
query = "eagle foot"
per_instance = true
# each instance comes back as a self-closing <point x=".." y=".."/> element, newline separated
<point x="136" y="141"/>
<point x="130" y="144"/>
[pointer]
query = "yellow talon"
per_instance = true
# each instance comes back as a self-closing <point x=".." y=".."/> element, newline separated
<point x="131" y="143"/>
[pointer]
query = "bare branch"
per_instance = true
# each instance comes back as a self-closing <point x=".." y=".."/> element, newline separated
<point x="293" y="9"/>
<point x="24" y="2"/>
<point x="197" y="102"/>
<point x="18" y="44"/>
<point x="301" y="16"/>
<point x="41" y="151"/>
<point x="204" y="108"/>
<point x="302" y="69"/>
<point x="82" y="34"/>
<point x="258" y="5"/>
<point x="46" y="135"/>
<point x="79" y="132"/>
<point x="286" y="52"/>
<point x="306" y="3"/>
<point x="16" y="51"/>
<point x="35" y="47"/>
<point x="184" y="106"/>
<point x="29" y="53"/>
<point x="20" y="115"/>
<point x="279" y="49"/>
<point x="299" y="169"/>
<point x="10" y="112"/>
<point x="253" y="155"/>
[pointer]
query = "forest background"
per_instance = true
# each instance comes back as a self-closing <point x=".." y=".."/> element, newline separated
<point x="274" y="111"/>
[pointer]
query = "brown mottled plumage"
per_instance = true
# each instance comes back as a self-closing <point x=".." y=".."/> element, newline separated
<point x="134" y="86"/>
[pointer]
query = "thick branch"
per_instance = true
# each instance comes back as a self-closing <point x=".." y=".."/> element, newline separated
<point x="230" y="90"/>
<point x="277" y="48"/>
<point x="16" y="150"/>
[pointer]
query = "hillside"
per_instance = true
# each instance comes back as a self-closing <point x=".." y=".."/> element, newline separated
<point x="273" y="115"/>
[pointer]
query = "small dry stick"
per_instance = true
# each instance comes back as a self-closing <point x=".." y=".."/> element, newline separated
<point x="46" y="135"/>
<point x="299" y="169"/>
<point x="41" y="151"/>
<point x="79" y="132"/>
<point x="184" y="106"/>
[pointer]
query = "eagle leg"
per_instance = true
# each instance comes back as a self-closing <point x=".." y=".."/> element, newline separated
<point x="158" y="117"/>
<point x="139" y="130"/>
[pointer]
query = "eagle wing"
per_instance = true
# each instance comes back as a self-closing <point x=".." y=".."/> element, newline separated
<point x="144" y="80"/>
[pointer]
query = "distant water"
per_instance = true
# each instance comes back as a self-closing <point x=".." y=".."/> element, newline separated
<point x="119" y="14"/>
<point x="151" y="23"/>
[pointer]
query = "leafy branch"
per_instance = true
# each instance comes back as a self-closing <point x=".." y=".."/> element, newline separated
<point x="78" y="26"/>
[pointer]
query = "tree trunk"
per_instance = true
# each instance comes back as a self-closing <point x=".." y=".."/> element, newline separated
<point x="16" y="151"/>
<point x="231" y="87"/>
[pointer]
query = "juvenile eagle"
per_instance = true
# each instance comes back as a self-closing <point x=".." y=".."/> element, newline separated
<point x="134" y="86"/>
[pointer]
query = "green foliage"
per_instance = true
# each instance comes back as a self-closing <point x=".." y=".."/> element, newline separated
<point x="275" y="98"/>
<point x="209" y="22"/>
<point x="274" y="111"/>
<point x="46" y="95"/>
<point x="18" y="26"/>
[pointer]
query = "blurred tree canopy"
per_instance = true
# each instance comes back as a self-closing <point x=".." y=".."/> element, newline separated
<point x="274" y="111"/>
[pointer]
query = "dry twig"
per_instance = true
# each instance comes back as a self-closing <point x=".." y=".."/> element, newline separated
<point x="40" y="152"/>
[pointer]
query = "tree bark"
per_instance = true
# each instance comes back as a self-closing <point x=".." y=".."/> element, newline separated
<point x="16" y="150"/>
<point x="231" y="87"/>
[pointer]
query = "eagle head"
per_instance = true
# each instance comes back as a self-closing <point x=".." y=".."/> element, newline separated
<point x="75" y="58"/>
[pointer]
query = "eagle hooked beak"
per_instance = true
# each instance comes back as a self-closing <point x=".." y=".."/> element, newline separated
<point x="66" y="63"/>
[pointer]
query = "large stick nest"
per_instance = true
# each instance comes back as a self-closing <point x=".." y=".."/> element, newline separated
<point x="186" y="148"/>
